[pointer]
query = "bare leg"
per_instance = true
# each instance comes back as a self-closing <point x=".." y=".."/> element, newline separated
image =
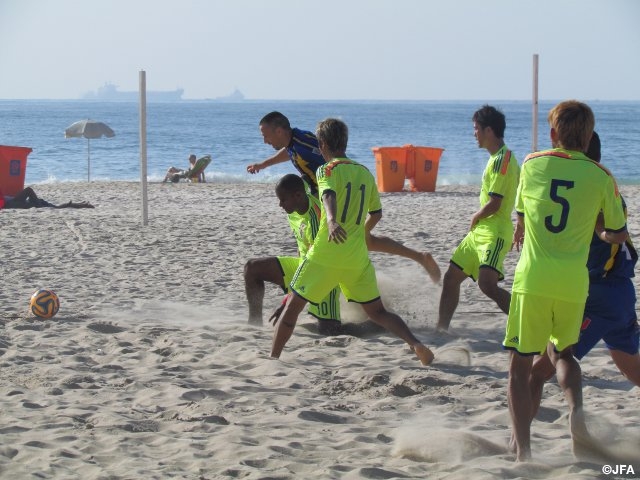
<point x="394" y="324"/>
<point x="569" y="377"/>
<point x="450" y="295"/>
<point x="488" y="282"/>
<point x="256" y="272"/>
<point x="377" y="243"/>
<point x="541" y="372"/>
<point x="520" y="404"/>
<point x="286" y="324"/>
<point x="629" y="365"/>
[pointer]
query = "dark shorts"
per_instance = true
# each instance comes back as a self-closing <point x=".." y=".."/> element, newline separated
<point x="610" y="315"/>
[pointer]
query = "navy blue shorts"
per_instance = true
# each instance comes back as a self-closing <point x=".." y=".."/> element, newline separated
<point x="610" y="315"/>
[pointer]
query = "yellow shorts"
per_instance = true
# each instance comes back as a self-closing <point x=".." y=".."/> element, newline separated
<point x="534" y="321"/>
<point x="313" y="282"/>
<point x="481" y="248"/>
<point x="328" y="308"/>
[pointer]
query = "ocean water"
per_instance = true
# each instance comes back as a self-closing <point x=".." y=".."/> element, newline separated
<point x="229" y="132"/>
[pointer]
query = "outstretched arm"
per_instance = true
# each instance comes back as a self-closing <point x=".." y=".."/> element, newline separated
<point x="74" y="205"/>
<point x="280" y="156"/>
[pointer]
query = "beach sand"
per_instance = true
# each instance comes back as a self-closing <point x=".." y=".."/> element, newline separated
<point x="150" y="370"/>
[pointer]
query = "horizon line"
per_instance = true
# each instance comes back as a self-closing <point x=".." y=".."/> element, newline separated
<point x="245" y="100"/>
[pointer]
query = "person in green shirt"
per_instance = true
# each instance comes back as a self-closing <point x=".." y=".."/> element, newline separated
<point x="610" y="312"/>
<point x="560" y="195"/>
<point x="339" y="255"/>
<point x="480" y="255"/>
<point x="303" y="212"/>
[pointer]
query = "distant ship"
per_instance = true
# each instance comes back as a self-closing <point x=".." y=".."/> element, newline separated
<point x="235" y="96"/>
<point x="109" y="93"/>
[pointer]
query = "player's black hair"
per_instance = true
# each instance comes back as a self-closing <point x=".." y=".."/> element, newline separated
<point x="291" y="183"/>
<point x="489" y="116"/>
<point x="276" y="119"/>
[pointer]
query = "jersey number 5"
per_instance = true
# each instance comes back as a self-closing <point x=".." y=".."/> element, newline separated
<point x="347" y="201"/>
<point x="564" y="203"/>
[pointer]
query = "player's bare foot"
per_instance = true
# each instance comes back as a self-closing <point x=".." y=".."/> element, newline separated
<point x="524" y="456"/>
<point x="425" y="355"/>
<point x="585" y="447"/>
<point x="444" y="332"/>
<point x="431" y="267"/>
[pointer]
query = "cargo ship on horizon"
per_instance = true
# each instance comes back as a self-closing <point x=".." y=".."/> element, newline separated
<point x="235" y="96"/>
<point x="110" y="93"/>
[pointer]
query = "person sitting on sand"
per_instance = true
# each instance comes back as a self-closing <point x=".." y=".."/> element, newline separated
<point x="175" y="174"/>
<point x="339" y="254"/>
<point x="27" y="198"/>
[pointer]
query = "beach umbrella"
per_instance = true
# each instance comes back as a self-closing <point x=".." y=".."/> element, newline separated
<point x="88" y="129"/>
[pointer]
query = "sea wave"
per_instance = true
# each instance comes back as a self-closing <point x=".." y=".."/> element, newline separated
<point x="231" y="178"/>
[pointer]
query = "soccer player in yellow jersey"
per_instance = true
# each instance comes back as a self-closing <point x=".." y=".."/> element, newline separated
<point x="303" y="213"/>
<point x="481" y="253"/>
<point x="339" y="255"/>
<point x="560" y="194"/>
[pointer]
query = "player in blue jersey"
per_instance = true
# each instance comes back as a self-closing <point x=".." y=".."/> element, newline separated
<point x="609" y="313"/>
<point x="301" y="147"/>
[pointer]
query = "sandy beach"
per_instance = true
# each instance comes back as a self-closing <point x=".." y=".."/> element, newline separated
<point x="150" y="370"/>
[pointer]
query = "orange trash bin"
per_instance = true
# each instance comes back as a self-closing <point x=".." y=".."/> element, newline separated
<point x="422" y="167"/>
<point x="390" y="168"/>
<point x="13" y="165"/>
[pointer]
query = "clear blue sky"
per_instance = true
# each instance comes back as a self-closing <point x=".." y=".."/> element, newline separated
<point x="323" y="49"/>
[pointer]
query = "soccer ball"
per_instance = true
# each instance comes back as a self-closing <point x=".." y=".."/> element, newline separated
<point x="44" y="303"/>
